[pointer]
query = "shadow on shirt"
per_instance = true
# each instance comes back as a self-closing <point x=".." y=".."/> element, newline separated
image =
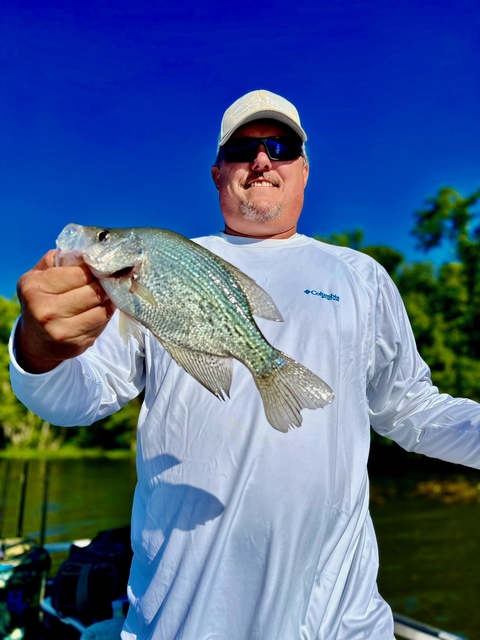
<point x="178" y="506"/>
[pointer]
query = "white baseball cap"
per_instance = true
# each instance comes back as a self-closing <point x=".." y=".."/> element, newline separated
<point x="258" y="105"/>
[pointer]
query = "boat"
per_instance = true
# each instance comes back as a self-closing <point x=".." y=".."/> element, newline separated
<point x="29" y="608"/>
<point x="408" y="629"/>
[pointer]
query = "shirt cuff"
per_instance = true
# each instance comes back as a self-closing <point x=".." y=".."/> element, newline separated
<point x="16" y="370"/>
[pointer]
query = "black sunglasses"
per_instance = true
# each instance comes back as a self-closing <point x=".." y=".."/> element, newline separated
<point x="246" y="149"/>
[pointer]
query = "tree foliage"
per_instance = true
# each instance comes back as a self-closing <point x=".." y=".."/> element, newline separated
<point x="452" y="219"/>
<point x="18" y="425"/>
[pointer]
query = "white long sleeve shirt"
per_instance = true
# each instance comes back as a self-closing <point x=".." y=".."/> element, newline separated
<point x="241" y="532"/>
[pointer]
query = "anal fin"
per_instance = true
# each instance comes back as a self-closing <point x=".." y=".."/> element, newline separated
<point x="213" y="372"/>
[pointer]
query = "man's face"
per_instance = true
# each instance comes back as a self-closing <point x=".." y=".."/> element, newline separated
<point x="261" y="198"/>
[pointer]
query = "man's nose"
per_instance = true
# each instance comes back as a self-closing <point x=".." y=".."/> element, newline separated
<point x="262" y="162"/>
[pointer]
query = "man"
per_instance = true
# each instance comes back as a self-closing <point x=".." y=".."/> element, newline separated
<point x="241" y="532"/>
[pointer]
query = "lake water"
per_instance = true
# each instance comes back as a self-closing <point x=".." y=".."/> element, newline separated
<point x="429" y="550"/>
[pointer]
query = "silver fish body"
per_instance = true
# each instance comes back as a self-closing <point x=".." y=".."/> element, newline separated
<point x="200" y="308"/>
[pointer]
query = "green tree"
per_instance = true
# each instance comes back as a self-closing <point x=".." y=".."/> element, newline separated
<point x="18" y="425"/>
<point x="21" y="428"/>
<point x="450" y="218"/>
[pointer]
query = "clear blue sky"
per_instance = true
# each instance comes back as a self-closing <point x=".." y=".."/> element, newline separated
<point x="110" y="111"/>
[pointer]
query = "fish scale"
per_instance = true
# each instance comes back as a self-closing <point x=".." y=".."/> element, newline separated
<point x="201" y="310"/>
<point x="209" y="277"/>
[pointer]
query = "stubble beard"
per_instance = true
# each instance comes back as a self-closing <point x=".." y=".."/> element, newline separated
<point x="254" y="213"/>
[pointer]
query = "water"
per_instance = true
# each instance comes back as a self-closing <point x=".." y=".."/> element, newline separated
<point x="430" y="559"/>
<point x="85" y="496"/>
<point x="429" y="551"/>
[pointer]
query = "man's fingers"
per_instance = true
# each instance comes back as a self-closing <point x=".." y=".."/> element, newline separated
<point x="61" y="279"/>
<point x="46" y="279"/>
<point x="47" y="292"/>
<point x="47" y="308"/>
<point x="45" y="336"/>
<point x="81" y="329"/>
<point x="75" y="301"/>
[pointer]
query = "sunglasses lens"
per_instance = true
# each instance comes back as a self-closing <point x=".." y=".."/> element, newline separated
<point x="246" y="149"/>
<point x="241" y="150"/>
<point x="282" y="148"/>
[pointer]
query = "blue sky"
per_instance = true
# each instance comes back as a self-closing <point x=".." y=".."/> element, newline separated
<point x="110" y="111"/>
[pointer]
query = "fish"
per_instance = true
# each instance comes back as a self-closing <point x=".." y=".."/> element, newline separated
<point x="200" y="308"/>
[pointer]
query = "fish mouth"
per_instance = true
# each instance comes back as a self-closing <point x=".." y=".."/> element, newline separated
<point x="101" y="273"/>
<point x="66" y="258"/>
<point x="121" y="274"/>
<point x="126" y="272"/>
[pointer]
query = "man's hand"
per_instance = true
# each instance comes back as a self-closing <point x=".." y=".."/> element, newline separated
<point x="64" y="310"/>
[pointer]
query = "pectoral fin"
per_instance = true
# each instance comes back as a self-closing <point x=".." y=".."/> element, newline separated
<point x="142" y="292"/>
<point x="128" y="326"/>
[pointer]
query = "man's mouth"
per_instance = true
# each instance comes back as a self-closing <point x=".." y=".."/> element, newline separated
<point x="261" y="183"/>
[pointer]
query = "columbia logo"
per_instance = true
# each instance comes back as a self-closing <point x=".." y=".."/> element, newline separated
<point x="320" y="294"/>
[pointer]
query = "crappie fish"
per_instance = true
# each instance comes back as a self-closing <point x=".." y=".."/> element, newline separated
<point x="201" y="310"/>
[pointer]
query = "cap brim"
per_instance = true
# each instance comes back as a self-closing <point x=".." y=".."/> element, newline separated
<point x="267" y="115"/>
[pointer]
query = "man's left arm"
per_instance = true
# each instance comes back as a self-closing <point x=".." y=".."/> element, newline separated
<point x="404" y="404"/>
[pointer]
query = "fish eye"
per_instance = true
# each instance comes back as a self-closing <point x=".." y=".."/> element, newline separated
<point x="103" y="235"/>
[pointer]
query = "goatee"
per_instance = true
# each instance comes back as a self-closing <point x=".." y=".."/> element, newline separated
<point x="254" y="213"/>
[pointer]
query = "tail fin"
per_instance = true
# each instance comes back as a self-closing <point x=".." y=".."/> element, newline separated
<point x="289" y="389"/>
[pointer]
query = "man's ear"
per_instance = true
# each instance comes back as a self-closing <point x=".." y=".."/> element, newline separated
<point x="215" y="175"/>
<point x="306" y="169"/>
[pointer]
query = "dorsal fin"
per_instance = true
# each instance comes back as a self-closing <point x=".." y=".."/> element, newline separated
<point x="261" y="304"/>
